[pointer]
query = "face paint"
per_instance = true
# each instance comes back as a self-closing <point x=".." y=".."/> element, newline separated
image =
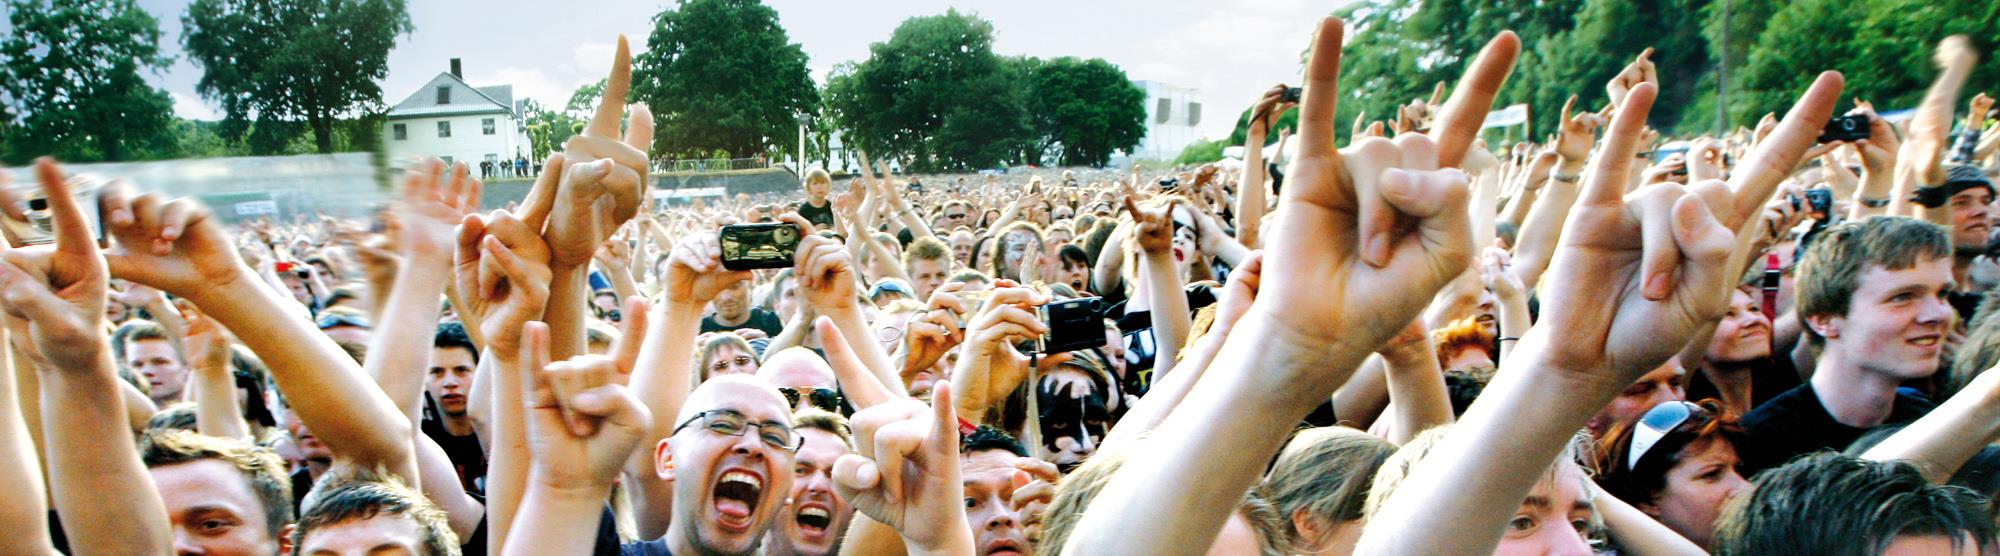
<point x="1072" y="422"/>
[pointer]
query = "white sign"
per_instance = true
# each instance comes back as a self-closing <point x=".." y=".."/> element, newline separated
<point x="253" y="208"/>
<point x="1512" y="115"/>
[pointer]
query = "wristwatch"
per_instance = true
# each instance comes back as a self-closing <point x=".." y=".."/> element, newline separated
<point x="1933" y="196"/>
<point x="1566" y="178"/>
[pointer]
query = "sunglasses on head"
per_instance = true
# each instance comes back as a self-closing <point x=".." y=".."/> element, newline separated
<point x="823" y="398"/>
<point x="1655" y="425"/>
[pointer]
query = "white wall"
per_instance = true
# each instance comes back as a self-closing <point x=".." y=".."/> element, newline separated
<point x="467" y="142"/>
<point x="1165" y="140"/>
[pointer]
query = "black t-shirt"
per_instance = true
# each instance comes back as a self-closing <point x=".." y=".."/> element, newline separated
<point x="1796" y="423"/>
<point x="1768" y="379"/>
<point x="467" y="458"/>
<point x="302" y="482"/>
<point x="759" y="319"/>
<point x="655" y="547"/>
<point x="821" y="216"/>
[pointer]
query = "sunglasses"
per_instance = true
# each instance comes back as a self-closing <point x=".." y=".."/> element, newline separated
<point x="823" y="398"/>
<point x="1655" y="425"/>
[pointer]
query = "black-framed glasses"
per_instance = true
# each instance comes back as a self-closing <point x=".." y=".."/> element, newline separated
<point x="824" y="398"/>
<point x="730" y="423"/>
<point x="1655" y="425"/>
<point x="959" y="216"/>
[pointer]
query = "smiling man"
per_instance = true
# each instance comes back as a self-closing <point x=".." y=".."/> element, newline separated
<point x="730" y="461"/>
<point x="1872" y="294"/>
<point x="816" y="519"/>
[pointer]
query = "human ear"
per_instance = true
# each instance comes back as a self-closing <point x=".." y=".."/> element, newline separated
<point x="1827" y="326"/>
<point x="663" y="460"/>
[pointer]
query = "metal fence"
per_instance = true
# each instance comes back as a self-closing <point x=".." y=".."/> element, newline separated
<point x="711" y="164"/>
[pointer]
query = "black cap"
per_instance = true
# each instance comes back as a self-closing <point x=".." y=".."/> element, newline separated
<point x="1960" y="177"/>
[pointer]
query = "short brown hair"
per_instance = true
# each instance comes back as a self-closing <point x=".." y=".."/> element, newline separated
<point x="1835" y="504"/>
<point x="1831" y="269"/>
<point x="831" y="423"/>
<point x="357" y="494"/>
<point x="926" y="249"/>
<point x="261" y="467"/>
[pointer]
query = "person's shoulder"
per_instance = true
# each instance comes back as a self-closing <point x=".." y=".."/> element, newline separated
<point x="1784" y="407"/>
<point x="655" y="547"/>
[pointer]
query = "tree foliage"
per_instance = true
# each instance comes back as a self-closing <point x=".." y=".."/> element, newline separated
<point x="302" y="61"/>
<point x="1086" y="108"/>
<point x="72" y="73"/>
<point x="722" y="75"/>
<point x="936" y="96"/>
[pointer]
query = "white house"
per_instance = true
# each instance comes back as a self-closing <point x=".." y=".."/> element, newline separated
<point x="455" y="121"/>
<point x="1172" y="112"/>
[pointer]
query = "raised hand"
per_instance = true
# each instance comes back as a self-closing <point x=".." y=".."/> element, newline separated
<point x="434" y="203"/>
<point x="824" y="269"/>
<point x="904" y="473"/>
<point x="605" y="182"/>
<point x="174" y="245"/>
<point x="1772" y="159"/>
<point x="502" y="277"/>
<point x="934" y="332"/>
<point x="1268" y="108"/>
<point x="1635" y="275"/>
<point x="1374" y="230"/>
<point x="59" y="289"/>
<point x="1641" y="70"/>
<point x="581" y="424"/>
<point x="1153" y="229"/>
<point x="1878" y="151"/>
<point x="1578" y="133"/>
<point x="695" y="274"/>
<point x="988" y="365"/>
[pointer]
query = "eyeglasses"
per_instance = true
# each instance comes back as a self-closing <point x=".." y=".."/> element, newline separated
<point x="823" y="398"/>
<point x="331" y="320"/>
<point x="959" y="216"/>
<point x="1655" y="425"/>
<point x="730" y="423"/>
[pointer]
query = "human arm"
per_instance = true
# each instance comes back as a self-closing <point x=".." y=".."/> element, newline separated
<point x="1250" y="190"/>
<point x="1535" y="244"/>
<point x="1416" y="384"/>
<point x="1168" y="391"/>
<point x="1635" y="532"/>
<point x="603" y="186"/>
<point x="614" y="258"/>
<point x="824" y="274"/>
<point x="1946" y="437"/>
<point x="1510" y="299"/>
<point x="1920" y="158"/>
<point x="1339" y="234"/>
<point x="1634" y="278"/>
<point x="102" y="492"/>
<point x="1108" y="274"/>
<point x="904" y="473"/>
<point x="1172" y="321"/>
<point x="989" y="367"/>
<point x="582" y="426"/>
<point x="216" y="411"/>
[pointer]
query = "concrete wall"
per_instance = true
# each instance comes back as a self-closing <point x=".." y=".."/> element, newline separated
<point x="467" y="143"/>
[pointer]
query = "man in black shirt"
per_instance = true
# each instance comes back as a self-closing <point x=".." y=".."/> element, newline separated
<point x="734" y="312"/>
<point x="816" y="209"/>
<point x="1872" y="296"/>
<point x="453" y="359"/>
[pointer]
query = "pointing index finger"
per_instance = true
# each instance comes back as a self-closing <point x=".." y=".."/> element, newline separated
<point x="1322" y="90"/>
<point x="1465" y="113"/>
<point x="612" y="106"/>
<point x="72" y="233"/>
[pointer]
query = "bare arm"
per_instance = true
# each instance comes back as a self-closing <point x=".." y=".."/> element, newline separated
<point x="1168" y="303"/>
<point x="26" y="515"/>
<point x="1919" y="162"/>
<point x="1637" y="533"/>
<point x="664" y="371"/>
<point x="1416" y="384"/>
<point x="1945" y="438"/>
<point x="1250" y="192"/>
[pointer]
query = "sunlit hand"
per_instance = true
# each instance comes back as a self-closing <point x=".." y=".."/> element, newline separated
<point x="582" y="426"/>
<point x="59" y="288"/>
<point x="604" y="184"/>
<point x="1641" y="70"/>
<point x="904" y="471"/>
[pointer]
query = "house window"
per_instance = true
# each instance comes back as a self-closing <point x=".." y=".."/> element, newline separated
<point x="444" y="130"/>
<point x="402" y="131"/>
<point x="1194" y="113"/>
<point x="1164" y="110"/>
<point x="444" y="94"/>
<point x="486" y="126"/>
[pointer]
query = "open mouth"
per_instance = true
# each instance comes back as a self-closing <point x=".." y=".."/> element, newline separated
<point x="813" y="519"/>
<point x="736" y="498"/>
<point x="1925" y="341"/>
<point x="1002" y="546"/>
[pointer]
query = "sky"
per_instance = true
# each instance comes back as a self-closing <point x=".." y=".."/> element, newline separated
<point x="1230" y="50"/>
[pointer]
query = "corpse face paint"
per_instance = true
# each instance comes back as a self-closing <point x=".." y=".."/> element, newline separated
<point x="1073" y="417"/>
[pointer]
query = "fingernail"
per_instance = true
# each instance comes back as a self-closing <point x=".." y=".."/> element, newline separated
<point x="171" y="232"/>
<point x="122" y="216"/>
<point x="1378" y="249"/>
<point x="1656" y="286"/>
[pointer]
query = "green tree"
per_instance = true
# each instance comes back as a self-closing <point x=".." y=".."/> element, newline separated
<point x="935" y="96"/>
<point x="722" y="75"/>
<point x="310" y="61"/>
<point x="1088" y="108"/>
<point x="72" y="69"/>
<point x="548" y="129"/>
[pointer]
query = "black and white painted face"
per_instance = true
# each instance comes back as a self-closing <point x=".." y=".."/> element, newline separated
<point x="1073" y="416"/>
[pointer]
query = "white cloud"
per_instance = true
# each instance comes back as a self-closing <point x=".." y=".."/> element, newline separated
<point x="193" y="108"/>
<point x="529" y="83"/>
<point x="1158" y="71"/>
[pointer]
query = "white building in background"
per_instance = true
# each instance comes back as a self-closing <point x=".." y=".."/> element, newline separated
<point x="1172" y="112"/>
<point x="455" y="121"/>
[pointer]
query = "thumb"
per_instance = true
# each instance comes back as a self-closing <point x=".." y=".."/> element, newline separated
<point x="854" y="476"/>
<point x="24" y="296"/>
<point x="615" y="405"/>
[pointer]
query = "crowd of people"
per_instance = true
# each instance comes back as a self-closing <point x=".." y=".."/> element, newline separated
<point x="1609" y="341"/>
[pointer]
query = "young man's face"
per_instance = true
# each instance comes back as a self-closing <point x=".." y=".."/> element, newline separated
<point x="926" y="275"/>
<point x="383" y="534"/>
<point x="729" y="490"/>
<point x="956" y="215"/>
<point x="1970" y="218"/>
<point x="988" y="477"/>
<point x="817" y="518"/>
<point x="733" y="304"/>
<point x="1744" y="333"/>
<point x="1696" y="489"/>
<point x="1895" y="322"/>
<point x="727" y="360"/>
<point x="1552" y="519"/>
<point x="450" y="379"/>
<point x="961" y="247"/>
<point x="213" y="510"/>
<point x="156" y="361"/>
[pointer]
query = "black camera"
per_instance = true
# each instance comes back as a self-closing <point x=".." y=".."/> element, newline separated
<point x="1292" y="94"/>
<point x="1169" y="184"/>
<point x="1821" y="200"/>
<point x="1074" y="324"/>
<point x="1845" y="128"/>
<point x="755" y="246"/>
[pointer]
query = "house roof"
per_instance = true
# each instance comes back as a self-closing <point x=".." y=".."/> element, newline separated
<point x="465" y="99"/>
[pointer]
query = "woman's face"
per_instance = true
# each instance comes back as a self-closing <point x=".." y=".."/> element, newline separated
<point x="1697" y="487"/>
<point x="1186" y="250"/>
<point x="788" y="299"/>
<point x="729" y="359"/>
<point x="1744" y="334"/>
